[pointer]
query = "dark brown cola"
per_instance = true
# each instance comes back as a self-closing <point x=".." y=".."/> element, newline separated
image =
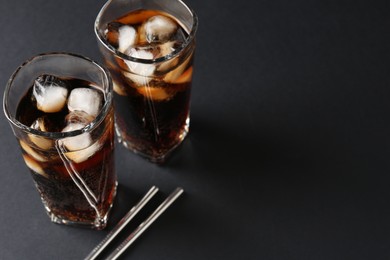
<point x="152" y="97"/>
<point x="74" y="175"/>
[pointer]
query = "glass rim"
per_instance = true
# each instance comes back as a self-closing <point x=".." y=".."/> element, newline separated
<point x="175" y="53"/>
<point x="59" y="135"/>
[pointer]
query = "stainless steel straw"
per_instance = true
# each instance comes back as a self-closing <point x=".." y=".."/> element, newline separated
<point x="144" y="225"/>
<point x="122" y="223"/>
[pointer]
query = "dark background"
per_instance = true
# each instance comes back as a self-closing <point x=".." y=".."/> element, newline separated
<point x="287" y="156"/>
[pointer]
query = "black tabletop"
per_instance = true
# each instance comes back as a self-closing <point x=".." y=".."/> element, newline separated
<point x="287" y="156"/>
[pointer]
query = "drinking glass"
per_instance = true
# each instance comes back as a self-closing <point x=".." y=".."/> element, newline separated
<point x="77" y="185"/>
<point x="151" y="94"/>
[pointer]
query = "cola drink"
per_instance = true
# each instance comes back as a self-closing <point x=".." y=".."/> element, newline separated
<point x="150" y="56"/>
<point x="69" y="148"/>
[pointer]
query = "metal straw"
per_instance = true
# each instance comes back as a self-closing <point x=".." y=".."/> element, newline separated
<point x="144" y="225"/>
<point x="122" y="223"/>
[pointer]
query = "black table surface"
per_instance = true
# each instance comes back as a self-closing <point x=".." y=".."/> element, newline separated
<point x="287" y="156"/>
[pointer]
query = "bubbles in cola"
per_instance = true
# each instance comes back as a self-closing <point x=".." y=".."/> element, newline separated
<point x="70" y="172"/>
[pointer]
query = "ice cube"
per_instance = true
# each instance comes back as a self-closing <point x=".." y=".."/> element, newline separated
<point x="140" y="72"/>
<point x="42" y="142"/>
<point x="159" y="28"/>
<point x="78" y="117"/>
<point x="134" y="78"/>
<point x="47" y="123"/>
<point x="40" y="124"/>
<point x="111" y="33"/>
<point x="85" y="99"/>
<point x="121" y="36"/>
<point x="119" y="89"/>
<point x="180" y="37"/>
<point x="84" y="154"/>
<point x="185" y="77"/>
<point x="77" y="142"/>
<point x="50" y="93"/>
<point x="176" y="73"/>
<point x="165" y="49"/>
<point x="30" y="151"/>
<point x="127" y="37"/>
<point x="34" y="166"/>
<point x="154" y="93"/>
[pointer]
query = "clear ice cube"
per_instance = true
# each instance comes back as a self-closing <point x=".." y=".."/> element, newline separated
<point x="111" y="33"/>
<point x="85" y="99"/>
<point x="30" y="151"/>
<point x="121" y="36"/>
<point x="154" y="93"/>
<point x="119" y="89"/>
<point x="41" y="125"/>
<point x="185" y="77"/>
<point x="50" y="93"/>
<point x="46" y="123"/>
<point x="159" y="28"/>
<point x="79" y="147"/>
<point x="127" y="37"/>
<point x="176" y="73"/>
<point x="165" y="49"/>
<point x="78" y="117"/>
<point x="34" y="166"/>
<point x="77" y="142"/>
<point x="84" y="154"/>
<point x="140" y="72"/>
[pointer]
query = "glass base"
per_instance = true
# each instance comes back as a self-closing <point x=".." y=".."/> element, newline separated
<point x="161" y="158"/>
<point x="99" y="223"/>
